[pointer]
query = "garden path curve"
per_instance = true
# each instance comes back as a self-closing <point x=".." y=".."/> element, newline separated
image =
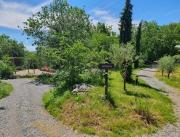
<point x="22" y="113"/>
<point x="169" y="130"/>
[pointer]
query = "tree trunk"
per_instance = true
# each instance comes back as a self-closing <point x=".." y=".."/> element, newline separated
<point x="124" y="85"/>
<point x="169" y="75"/>
<point x="136" y="64"/>
<point x="162" y="73"/>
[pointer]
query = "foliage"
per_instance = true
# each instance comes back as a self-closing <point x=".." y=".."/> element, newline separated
<point x="103" y="29"/>
<point x="167" y="63"/>
<point x="45" y="78"/>
<point x="125" y="23"/>
<point x="174" y="80"/>
<point x="138" y="44"/>
<point x="31" y="61"/>
<point x="10" y="47"/>
<point x="123" y="58"/>
<point x="90" y="114"/>
<point x="6" y="71"/>
<point x="157" y="41"/>
<point x="5" y="89"/>
<point x="58" y="25"/>
<point x="48" y="57"/>
<point x="94" y="77"/>
<point x="177" y="58"/>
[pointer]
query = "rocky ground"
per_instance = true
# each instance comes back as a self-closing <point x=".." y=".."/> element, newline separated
<point x="23" y="115"/>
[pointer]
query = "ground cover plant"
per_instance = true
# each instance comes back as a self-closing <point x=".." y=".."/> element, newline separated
<point x="5" y="89"/>
<point x="138" y="111"/>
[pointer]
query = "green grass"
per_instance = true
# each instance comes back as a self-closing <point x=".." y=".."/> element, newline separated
<point x="174" y="79"/>
<point x="5" y="89"/>
<point x="140" y="110"/>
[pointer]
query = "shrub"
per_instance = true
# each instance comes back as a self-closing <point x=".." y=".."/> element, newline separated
<point x="6" y="71"/>
<point x="94" y="77"/>
<point x="45" y="78"/>
<point x="177" y="58"/>
<point x="167" y="63"/>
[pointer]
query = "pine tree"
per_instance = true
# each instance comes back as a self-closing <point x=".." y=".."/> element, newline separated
<point x="138" y="43"/>
<point x="126" y="23"/>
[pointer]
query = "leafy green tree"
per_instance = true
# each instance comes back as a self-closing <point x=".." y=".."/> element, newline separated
<point x="125" y="23"/>
<point x="58" y="25"/>
<point x="157" y="41"/>
<point x="75" y="60"/>
<point x="48" y="57"/>
<point x="123" y="58"/>
<point x="11" y="48"/>
<point x="6" y="71"/>
<point x="31" y="61"/>
<point x="138" y="44"/>
<point x="103" y="28"/>
<point x="167" y="63"/>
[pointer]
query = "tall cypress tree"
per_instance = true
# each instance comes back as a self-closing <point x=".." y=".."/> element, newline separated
<point x="138" y="43"/>
<point x="125" y="23"/>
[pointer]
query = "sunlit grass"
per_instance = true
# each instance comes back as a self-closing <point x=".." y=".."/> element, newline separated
<point x="140" y="110"/>
<point x="174" y="79"/>
<point x="5" y="89"/>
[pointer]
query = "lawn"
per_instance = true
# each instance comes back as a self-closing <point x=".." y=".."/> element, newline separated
<point x="5" y="89"/>
<point x="174" y="79"/>
<point x="140" y="110"/>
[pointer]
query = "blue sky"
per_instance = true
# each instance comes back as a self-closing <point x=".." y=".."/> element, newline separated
<point x="14" y="12"/>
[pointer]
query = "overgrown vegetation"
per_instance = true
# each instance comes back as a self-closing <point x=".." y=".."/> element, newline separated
<point x="140" y="110"/>
<point x="6" y="70"/>
<point x="5" y="89"/>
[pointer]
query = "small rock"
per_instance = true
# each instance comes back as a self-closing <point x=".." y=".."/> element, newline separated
<point x="81" y="88"/>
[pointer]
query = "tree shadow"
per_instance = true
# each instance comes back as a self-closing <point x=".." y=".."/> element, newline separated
<point x="37" y="83"/>
<point x="140" y="84"/>
<point x="2" y="108"/>
<point x="135" y="94"/>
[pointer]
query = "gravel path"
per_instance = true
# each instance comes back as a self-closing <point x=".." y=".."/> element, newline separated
<point x="23" y="115"/>
<point x="174" y="94"/>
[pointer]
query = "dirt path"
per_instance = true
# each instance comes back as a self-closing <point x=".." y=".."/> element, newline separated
<point x="174" y="94"/>
<point x="23" y="115"/>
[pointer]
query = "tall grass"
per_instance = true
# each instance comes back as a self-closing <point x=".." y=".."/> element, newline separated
<point x="140" y="110"/>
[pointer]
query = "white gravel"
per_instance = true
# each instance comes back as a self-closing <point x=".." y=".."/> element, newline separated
<point x="24" y="115"/>
<point x="169" y="130"/>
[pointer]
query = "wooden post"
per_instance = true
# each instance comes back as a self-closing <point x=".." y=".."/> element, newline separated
<point x="106" y="82"/>
<point x="106" y="67"/>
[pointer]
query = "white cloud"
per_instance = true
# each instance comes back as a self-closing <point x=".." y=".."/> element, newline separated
<point x="108" y="18"/>
<point x="13" y="14"/>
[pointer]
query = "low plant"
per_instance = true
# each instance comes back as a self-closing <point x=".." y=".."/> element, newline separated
<point x="6" y="71"/>
<point x="45" y="78"/>
<point x="94" y="77"/>
<point x="5" y="89"/>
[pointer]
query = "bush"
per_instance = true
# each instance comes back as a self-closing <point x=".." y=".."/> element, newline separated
<point x="167" y="63"/>
<point x="93" y="77"/>
<point x="6" y="71"/>
<point x="177" y="58"/>
<point x="45" y="78"/>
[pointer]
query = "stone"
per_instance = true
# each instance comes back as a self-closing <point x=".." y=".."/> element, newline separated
<point x="79" y="88"/>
